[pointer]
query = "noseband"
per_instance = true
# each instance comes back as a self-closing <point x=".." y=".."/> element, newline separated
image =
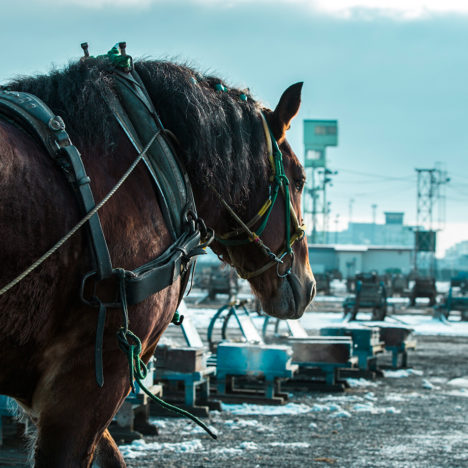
<point x="278" y="181"/>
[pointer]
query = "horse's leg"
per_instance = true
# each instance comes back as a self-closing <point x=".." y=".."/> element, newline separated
<point x="107" y="453"/>
<point x="69" y="432"/>
<point x="70" y="442"/>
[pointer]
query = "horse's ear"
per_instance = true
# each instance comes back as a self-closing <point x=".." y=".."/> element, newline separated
<point x="285" y="111"/>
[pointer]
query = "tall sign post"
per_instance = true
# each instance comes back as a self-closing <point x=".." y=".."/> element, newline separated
<point x="318" y="136"/>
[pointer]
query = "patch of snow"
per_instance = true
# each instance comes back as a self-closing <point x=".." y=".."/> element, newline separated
<point x="400" y="373"/>
<point x="391" y="410"/>
<point x="370" y="396"/>
<point x="427" y="385"/>
<point x="361" y="383"/>
<point x="341" y="398"/>
<point x="370" y="408"/>
<point x="439" y="380"/>
<point x="312" y="425"/>
<point x="227" y="451"/>
<point x="462" y="392"/>
<point x="158" y="422"/>
<point x="340" y="414"/>
<point x="139" y="448"/>
<point x="364" y="407"/>
<point x="248" y="446"/>
<point x="459" y="382"/>
<point x="421" y="324"/>
<point x="245" y="409"/>
<point x="416" y="395"/>
<point x="323" y="408"/>
<point x="241" y="423"/>
<point x="394" y="397"/>
<point x="289" y="444"/>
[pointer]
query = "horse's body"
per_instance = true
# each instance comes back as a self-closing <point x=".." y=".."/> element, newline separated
<point x="47" y="335"/>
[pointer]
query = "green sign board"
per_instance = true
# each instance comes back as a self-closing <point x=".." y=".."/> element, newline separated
<point x="318" y="134"/>
<point x="425" y="241"/>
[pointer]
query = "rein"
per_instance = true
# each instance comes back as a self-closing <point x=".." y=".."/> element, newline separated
<point x="278" y="181"/>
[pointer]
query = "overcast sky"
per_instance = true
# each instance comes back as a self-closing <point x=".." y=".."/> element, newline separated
<point x="395" y="76"/>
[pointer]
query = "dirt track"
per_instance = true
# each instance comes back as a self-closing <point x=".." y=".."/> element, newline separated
<point x="415" y="421"/>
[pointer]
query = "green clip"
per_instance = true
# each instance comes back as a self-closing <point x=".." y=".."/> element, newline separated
<point x="177" y="319"/>
<point x="243" y="97"/>
<point x="120" y="61"/>
<point x="219" y="87"/>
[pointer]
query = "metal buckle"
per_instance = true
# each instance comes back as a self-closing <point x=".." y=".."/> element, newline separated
<point x="94" y="300"/>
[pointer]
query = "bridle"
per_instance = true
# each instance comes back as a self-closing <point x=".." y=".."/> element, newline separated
<point x="278" y="181"/>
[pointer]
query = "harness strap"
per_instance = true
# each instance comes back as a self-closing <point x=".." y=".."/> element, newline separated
<point x="99" y="244"/>
<point x="25" y="109"/>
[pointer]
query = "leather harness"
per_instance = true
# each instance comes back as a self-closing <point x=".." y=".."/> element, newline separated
<point x="136" y="115"/>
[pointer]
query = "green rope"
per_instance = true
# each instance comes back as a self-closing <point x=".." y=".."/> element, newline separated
<point x="177" y="319"/>
<point x="120" y="61"/>
<point x="138" y="372"/>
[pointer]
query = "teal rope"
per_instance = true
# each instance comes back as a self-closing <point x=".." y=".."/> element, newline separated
<point x="138" y="372"/>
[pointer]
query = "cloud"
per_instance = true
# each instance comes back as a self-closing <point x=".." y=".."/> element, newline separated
<point x="364" y="9"/>
<point x="403" y="9"/>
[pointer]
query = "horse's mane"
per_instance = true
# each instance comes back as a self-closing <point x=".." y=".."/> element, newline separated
<point x="219" y="131"/>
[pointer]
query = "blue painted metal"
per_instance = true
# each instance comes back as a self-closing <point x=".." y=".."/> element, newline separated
<point x="259" y="360"/>
<point x="7" y="406"/>
<point x="192" y="381"/>
<point x="366" y="343"/>
<point x="243" y="319"/>
<point x="454" y="301"/>
<point x="252" y="358"/>
<point x="335" y="352"/>
<point x="398" y="340"/>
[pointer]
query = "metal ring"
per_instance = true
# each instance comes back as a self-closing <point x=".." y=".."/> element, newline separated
<point x="288" y="272"/>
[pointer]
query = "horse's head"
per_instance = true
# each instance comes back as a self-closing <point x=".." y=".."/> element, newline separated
<point x="268" y="246"/>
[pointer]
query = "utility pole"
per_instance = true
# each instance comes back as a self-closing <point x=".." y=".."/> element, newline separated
<point x="350" y="210"/>
<point x="337" y="219"/>
<point x="430" y="183"/>
<point x="374" y="219"/>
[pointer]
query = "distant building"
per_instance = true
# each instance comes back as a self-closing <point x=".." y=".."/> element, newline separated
<point x="393" y="232"/>
<point x="352" y="259"/>
<point x="366" y="247"/>
<point x="455" y="259"/>
<point x="458" y="250"/>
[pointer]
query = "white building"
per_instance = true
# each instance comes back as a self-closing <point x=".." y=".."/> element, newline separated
<point x="352" y="259"/>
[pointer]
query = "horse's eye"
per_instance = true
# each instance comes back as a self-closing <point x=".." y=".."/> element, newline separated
<point x="299" y="184"/>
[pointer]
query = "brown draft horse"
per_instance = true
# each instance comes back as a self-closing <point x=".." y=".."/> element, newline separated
<point x="47" y="334"/>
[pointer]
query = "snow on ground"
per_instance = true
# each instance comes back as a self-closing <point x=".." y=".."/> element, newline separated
<point x="245" y="409"/>
<point x="139" y="447"/>
<point x="314" y="320"/>
<point x="333" y="406"/>
<point x="399" y="373"/>
<point x="422" y="324"/>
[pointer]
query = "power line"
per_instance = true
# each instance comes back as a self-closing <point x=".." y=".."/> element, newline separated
<point x="380" y="176"/>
